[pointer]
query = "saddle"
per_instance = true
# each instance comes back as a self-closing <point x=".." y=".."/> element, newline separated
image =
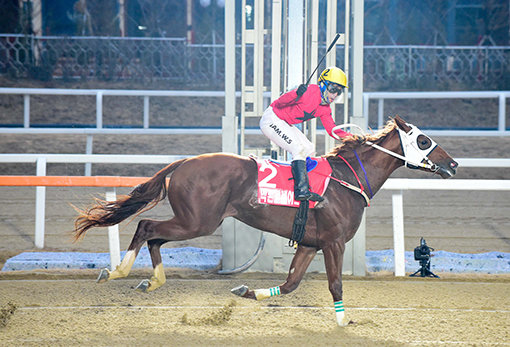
<point x="276" y="185"/>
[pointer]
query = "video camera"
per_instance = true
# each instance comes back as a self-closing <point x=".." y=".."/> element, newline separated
<point x="422" y="254"/>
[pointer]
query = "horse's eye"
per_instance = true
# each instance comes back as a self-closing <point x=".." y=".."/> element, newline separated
<point x="423" y="142"/>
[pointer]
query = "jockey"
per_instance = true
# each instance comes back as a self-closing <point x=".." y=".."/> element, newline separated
<point x="298" y="106"/>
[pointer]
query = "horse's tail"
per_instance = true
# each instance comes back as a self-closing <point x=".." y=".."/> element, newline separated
<point x="107" y="213"/>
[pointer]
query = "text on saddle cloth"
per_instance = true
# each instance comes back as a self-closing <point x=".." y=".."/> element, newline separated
<point x="276" y="186"/>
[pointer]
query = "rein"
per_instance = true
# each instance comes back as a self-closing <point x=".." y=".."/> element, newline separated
<point x="365" y="173"/>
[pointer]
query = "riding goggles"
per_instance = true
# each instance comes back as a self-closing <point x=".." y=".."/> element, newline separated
<point x="334" y="88"/>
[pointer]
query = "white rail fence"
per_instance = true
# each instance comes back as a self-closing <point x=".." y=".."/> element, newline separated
<point x="398" y="185"/>
<point x="500" y="96"/>
<point x="99" y="94"/>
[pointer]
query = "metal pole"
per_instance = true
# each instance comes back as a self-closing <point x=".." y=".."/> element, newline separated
<point x="380" y="113"/>
<point x="40" y="204"/>
<point x="502" y="113"/>
<point x="88" y="150"/>
<point x="359" y="239"/>
<point x="347" y="50"/>
<point x="229" y="120"/>
<point x="331" y="31"/>
<point x="229" y="126"/>
<point x="122" y="18"/>
<point x="313" y="27"/>
<point x="357" y="64"/>
<point x="296" y="47"/>
<point x="398" y="234"/>
<point x="276" y="44"/>
<point x="146" y="112"/>
<point x="99" y="109"/>
<point x="113" y="235"/>
<point x="26" y="111"/>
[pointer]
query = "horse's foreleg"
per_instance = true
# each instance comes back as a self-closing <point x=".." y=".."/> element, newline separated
<point x="333" y="259"/>
<point x="159" y="278"/>
<point x="302" y="259"/>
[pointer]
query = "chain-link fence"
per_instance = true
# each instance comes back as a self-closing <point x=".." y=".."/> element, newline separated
<point x="113" y="58"/>
<point x="416" y="67"/>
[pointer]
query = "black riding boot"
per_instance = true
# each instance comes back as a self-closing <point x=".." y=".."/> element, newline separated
<point x="301" y="187"/>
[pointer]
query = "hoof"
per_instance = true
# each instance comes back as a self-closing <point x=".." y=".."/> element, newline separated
<point x="240" y="291"/>
<point x="143" y="286"/>
<point x="345" y="322"/>
<point x="104" y="275"/>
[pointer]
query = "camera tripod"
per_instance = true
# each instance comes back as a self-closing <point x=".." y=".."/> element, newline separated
<point x="424" y="270"/>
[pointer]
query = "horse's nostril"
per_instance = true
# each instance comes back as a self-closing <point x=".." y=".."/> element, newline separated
<point x="454" y="164"/>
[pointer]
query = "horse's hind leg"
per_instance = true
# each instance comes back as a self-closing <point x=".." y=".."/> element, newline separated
<point x="159" y="278"/>
<point x="157" y="233"/>
<point x="123" y="269"/>
<point x="302" y="259"/>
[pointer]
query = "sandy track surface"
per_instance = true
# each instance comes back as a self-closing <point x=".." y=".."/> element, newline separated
<point x="198" y="311"/>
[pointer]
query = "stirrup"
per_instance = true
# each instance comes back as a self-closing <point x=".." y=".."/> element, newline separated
<point x="315" y="197"/>
<point x="308" y="196"/>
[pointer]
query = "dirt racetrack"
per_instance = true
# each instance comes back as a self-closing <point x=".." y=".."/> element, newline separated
<point x="199" y="310"/>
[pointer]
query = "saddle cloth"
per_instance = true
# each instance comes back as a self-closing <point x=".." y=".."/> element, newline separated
<point x="276" y="185"/>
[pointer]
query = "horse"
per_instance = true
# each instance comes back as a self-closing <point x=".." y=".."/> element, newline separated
<point x="205" y="189"/>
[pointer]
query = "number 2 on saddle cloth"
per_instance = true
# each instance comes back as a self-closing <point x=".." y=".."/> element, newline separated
<point x="276" y="186"/>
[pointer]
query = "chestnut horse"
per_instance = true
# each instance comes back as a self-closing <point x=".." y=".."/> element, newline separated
<point x="205" y="189"/>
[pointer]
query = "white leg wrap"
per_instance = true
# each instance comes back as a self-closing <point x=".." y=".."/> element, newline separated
<point x="262" y="294"/>
<point x="340" y="314"/>
<point x="341" y="320"/>
<point x="123" y="269"/>
<point x="158" y="279"/>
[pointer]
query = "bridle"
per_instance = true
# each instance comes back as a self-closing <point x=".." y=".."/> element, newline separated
<point x="417" y="157"/>
<point x="415" y="145"/>
<point x="414" y="157"/>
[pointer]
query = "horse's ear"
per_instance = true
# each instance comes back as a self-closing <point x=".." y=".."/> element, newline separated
<point x="401" y="123"/>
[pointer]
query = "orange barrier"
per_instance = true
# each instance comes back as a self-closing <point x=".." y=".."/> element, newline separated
<point x="72" y="181"/>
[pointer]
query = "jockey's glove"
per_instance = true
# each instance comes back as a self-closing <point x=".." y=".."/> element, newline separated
<point x="301" y="90"/>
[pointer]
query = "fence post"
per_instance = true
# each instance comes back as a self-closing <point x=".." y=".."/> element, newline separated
<point x="502" y="112"/>
<point x="88" y="150"/>
<point x="146" y="112"/>
<point x="26" y="111"/>
<point x="40" y="202"/>
<point x="113" y="235"/>
<point x="398" y="234"/>
<point x="99" y="109"/>
<point x="380" y="113"/>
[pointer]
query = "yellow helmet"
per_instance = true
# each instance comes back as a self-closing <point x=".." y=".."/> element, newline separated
<point x="335" y="75"/>
<point x="332" y="81"/>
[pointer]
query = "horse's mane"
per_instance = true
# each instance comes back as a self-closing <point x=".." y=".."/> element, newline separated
<point x="352" y="142"/>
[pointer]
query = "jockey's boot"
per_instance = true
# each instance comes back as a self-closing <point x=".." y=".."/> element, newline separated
<point x="301" y="188"/>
